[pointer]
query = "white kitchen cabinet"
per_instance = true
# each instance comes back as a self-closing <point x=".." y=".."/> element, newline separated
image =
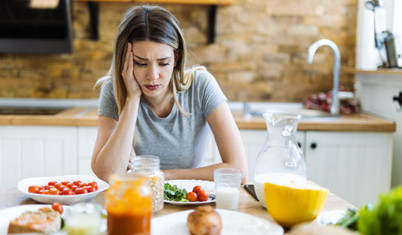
<point x="376" y="91"/>
<point x="354" y="165"/>
<point x="86" y="143"/>
<point x="29" y="151"/>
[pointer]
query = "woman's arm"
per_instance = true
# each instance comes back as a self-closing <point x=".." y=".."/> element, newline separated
<point x="114" y="142"/>
<point x="230" y="145"/>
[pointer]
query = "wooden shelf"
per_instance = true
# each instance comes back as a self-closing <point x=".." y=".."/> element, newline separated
<point x="93" y="6"/>
<point x="193" y="2"/>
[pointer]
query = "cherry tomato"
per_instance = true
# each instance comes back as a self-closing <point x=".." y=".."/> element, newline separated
<point x="94" y="184"/>
<point x="197" y="189"/>
<point x="191" y="196"/>
<point x="57" y="185"/>
<point x="33" y="189"/>
<point x="51" y="183"/>
<point x="202" y="196"/>
<point x="74" y="187"/>
<point x="54" y="191"/>
<point x="78" y="182"/>
<point x="70" y="184"/>
<point x="57" y="207"/>
<point x="91" y="189"/>
<point x="67" y="191"/>
<point x="62" y="187"/>
<point x="80" y="191"/>
<point x="44" y="191"/>
<point x="65" y="182"/>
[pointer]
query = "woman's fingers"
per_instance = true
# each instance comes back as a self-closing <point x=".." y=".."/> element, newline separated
<point x="132" y="86"/>
<point x="127" y="60"/>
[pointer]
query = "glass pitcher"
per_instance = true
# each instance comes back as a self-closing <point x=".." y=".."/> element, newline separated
<point x="280" y="157"/>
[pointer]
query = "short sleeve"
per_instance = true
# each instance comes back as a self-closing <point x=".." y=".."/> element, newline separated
<point x="107" y="103"/>
<point x="209" y="92"/>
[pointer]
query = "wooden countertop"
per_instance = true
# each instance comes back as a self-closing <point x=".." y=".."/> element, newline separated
<point x="82" y="116"/>
<point x="12" y="197"/>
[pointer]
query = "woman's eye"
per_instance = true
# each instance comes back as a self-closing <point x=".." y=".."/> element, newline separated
<point x="139" y="64"/>
<point x="164" y="64"/>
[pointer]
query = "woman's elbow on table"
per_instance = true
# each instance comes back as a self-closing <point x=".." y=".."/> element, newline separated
<point x="244" y="174"/>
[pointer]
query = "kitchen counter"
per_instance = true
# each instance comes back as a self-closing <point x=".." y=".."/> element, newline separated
<point x="87" y="116"/>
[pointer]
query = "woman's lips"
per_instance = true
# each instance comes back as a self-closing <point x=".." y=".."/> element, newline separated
<point x="152" y="87"/>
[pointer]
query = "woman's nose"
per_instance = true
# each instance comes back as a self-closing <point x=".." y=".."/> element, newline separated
<point x="153" y="73"/>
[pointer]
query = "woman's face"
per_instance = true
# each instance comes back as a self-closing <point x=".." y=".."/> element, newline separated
<point x="153" y="67"/>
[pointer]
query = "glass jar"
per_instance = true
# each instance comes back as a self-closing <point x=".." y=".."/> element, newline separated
<point x="129" y="205"/>
<point x="150" y="166"/>
<point x="83" y="218"/>
<point x="280" y="157"/>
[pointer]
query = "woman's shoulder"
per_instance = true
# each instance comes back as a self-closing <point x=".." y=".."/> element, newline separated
<point x="202" y="76"/>
<point x="107" y="85"/>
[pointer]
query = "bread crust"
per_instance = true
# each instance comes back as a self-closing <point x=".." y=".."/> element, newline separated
<point x="45" y="220"/>
<point x="204" y="221"/>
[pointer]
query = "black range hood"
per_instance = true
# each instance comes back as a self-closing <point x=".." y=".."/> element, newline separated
<point x="28" y="27"/>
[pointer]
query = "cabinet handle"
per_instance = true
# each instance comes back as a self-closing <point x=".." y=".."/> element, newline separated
<point x="298" y="143"/>
<point x="313" y="145"/>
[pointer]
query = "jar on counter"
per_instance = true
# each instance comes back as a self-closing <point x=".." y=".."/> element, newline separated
<point x="150" y="166"/>
<point x="129" y="205"/>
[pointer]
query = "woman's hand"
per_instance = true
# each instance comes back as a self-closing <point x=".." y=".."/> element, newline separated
<point x="131" y="160"/>
<point x="132" y="86"/>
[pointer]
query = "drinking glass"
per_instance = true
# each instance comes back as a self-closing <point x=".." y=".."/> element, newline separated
<point x="83" y="218"/>
<point x="227" y="188"/>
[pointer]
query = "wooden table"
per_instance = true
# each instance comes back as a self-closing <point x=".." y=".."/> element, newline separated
<point x="12" y="197"/>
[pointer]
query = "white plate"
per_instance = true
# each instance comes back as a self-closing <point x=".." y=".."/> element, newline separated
<point x="233" y="223"/>
<point x="11" y="213"/>
<point x="209" y="187"/>
<point x="330" y="217"/>
<point x="23" y="186"/>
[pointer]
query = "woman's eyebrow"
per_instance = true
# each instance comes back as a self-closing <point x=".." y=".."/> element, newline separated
<point x="140" y="58"/>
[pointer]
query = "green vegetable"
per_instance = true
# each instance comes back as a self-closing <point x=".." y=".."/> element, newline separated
<point x="174" y="193"/>
<point x="350" y="219"/>
<point x="385" y="218"/>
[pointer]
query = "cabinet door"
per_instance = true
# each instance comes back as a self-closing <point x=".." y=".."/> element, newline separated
<point x="376" y="93"/>
<point x="29" y="151"/>
<point x="355" y="166"/>
<point x="86" y="143"/>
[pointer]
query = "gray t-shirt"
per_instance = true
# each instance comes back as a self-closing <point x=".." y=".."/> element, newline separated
<point x="179" y="141"/>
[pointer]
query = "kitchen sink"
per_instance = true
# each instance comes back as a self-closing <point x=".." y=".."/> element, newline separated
<point x="30" y="110"/>
<point x="306" y="113"/>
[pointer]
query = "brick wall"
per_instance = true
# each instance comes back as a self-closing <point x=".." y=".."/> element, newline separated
<point x="259" y="54"/>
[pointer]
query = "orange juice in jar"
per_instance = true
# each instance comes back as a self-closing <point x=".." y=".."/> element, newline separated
<point x="129" y="205"/>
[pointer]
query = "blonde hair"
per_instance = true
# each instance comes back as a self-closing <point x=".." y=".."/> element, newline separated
<point x="153" y="23"/>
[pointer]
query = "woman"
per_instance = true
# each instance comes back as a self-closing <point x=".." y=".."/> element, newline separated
<point x="150" y="105"/>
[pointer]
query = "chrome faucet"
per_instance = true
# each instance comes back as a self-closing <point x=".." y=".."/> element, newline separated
<point x="337" y="63"/>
